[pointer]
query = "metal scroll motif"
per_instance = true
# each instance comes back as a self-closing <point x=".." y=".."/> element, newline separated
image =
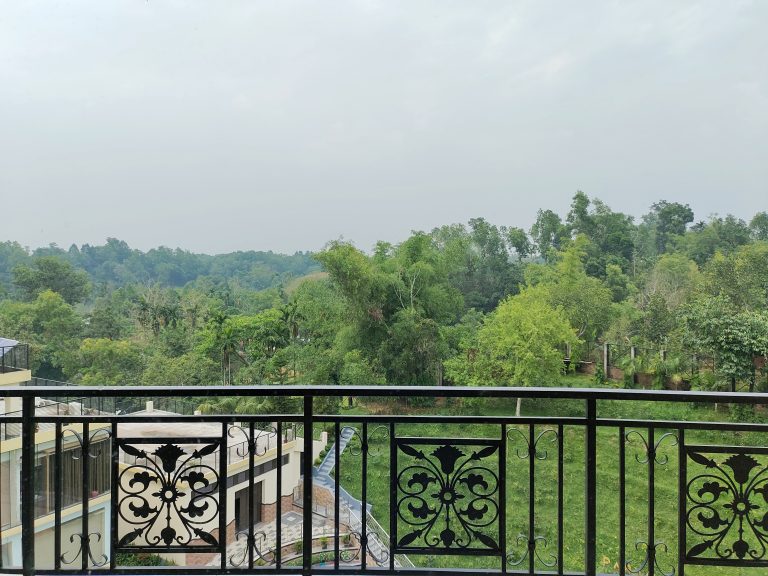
<point x="448" y="496"/>
<point x="727" y="505"/>
<point x="376" y="549"/>
<point x="168" y="497"/>
<point x="85" y="547"/>
<point x="257" y="444"/>
<point x="531" y="545"/>
<point x="651" y="455"/>
<point x="261" y="552"/>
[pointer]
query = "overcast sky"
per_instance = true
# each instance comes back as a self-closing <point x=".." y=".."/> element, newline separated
<point x="218" y="126"/>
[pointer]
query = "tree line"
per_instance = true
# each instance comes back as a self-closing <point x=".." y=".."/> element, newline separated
<point x="470" y="304"/>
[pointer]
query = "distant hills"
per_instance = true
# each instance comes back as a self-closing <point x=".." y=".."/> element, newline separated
<point x="116" y="263"/>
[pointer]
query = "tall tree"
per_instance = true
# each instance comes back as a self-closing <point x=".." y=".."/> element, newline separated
<point x="51" y="327"/>
<point x="520" y="344"/>
<point x="55" y="274"/>
<point x="759" y="226"/>
<point x="671" y="218"/>
<point x="548" y="233"/>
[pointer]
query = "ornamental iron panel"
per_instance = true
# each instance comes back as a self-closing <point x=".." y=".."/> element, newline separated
<point x="447" y="496"/>
<point x="726" y="505"/>
<point x="170" y="496"/>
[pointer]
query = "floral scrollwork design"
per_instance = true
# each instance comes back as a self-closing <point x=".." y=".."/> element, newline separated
<point x="448" y="497"/>
<point x="531" y="548"/>
<point x="168" y="497"/>
<point x="85" y="548"/>
<point x="532" y="448"/>
<point x="728" y="505"/>
<point x="651" y="558"/>
<point x="257" y="444"/>
<point x="376" y="549"/>
<point x="255" y="542"/>
<point x="651" y="452"/>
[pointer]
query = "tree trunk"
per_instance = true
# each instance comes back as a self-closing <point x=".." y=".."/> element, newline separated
<point x="517" y="408"/>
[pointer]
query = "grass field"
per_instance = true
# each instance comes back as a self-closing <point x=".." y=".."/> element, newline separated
<point x="545" y="496"/>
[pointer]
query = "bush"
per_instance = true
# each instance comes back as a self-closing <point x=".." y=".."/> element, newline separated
<point x="143" y="559"/>
<point x="599" y="375"/>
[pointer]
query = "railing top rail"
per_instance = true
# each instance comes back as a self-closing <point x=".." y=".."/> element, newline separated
<point x="392" y="391"/>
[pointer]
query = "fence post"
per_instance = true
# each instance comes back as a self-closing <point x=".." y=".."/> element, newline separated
<point x="28" y="485"/>
<point x="590" y="488"/>
<point x="633" y="356"/>
<point x="307" y="496"/>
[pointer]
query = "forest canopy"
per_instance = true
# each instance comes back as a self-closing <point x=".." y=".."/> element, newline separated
<point x="475" y="303"/>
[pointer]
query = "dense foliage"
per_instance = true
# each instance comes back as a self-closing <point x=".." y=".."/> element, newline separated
<point x="468" y="304"/>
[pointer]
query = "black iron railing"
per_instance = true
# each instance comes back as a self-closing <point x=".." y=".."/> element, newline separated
<point x="13" y="358"/>
<point x="596" y="481"/>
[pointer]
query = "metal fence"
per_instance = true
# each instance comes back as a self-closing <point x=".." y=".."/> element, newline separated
<point x="13" y="358"/>
<point x="479" y="491"/>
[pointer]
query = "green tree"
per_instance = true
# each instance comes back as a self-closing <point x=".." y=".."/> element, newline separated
<point x="12" y="254"/>
<point x="671" y="218"/>
<point x="584" y="300"/>
<point x="718" y="235"/>
<point x="759" y="226"/>
<point x="477" y="261"/>
<point x="740" y="276"/>
<point x="55" y="274"/>
<point x="357" y="371"/>
<point x="548" y="233"/>
<point x="617" y="282"/>
<point x="189" y="369"/>
<point x="657" y="320"/>
<point x="518" y="240"/>
<point x="712" y="324"/>
<point x="674" y="278"/>
<point x="101" y="361"/>
<point x="521" y="343"/>
<point x="49" y="325"/>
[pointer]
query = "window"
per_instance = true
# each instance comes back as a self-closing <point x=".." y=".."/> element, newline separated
<point x="71" y="477"/>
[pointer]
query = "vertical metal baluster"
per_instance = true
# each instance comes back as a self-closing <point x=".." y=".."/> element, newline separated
<point x="279" y="501"/>
<point x="392" y="495"/>
<point x="3" y="432"/>
<point x="590" y="488"/>
<point x="503" y="498"/>
<point x="85" y="456"/>
<point x="308" y="431"/>
<point x="251" y="446"/>
<point x="364" y="511"/>
<point x="682" y="477"/>
<point x="560" y="500"/>
<point x="622" y="502"/>
<point x="28" y="485"/>
<point x="336" y="477"/>
<point x="531" y="504"/>
<point x="113" y="497"/>
<point x="651" y="503"/>
<point x="57" y="499"/>
<point x="223" y="495"/>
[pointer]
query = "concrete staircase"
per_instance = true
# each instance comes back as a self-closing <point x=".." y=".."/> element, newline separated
<point x="330" y="458"/>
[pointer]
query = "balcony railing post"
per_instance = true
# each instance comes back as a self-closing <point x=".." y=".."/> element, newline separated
<point x="590" y="484"/>
<point x="307" y="500"/>
<point x="28" y="484"/>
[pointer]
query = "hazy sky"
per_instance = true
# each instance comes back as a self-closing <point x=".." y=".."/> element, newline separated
<point x="218" y="126"/>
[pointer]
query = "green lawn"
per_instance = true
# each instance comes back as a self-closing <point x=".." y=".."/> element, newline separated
<point x="545" y="496"/>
